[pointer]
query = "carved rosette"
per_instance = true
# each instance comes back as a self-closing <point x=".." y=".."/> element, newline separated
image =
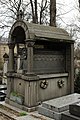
<point x="44" y="84"/>
<point x="60" y="83"/>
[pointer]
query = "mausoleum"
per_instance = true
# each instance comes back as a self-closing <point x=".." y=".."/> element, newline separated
<point x="43" y="68"/>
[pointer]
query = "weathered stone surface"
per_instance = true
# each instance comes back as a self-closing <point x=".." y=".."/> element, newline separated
<point x="75" y="109"/>
<point x="62" y="103"/>
<point x="49" y="113"/>
<point x="44" y="50"/>
<point x="40" y="31"/>
<point x="68" y="116"/>
<point x="55" y="107"/>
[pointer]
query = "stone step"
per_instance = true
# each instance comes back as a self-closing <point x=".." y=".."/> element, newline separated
<point x="55" y="107"/>
<point x="74" y="109"/>
<point x="49" y="113"/>
<point x="62" y="103"/>
<point x="68" y="116"/>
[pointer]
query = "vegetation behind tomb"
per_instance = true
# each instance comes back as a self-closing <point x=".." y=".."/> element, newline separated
<point x="77" y="83"/>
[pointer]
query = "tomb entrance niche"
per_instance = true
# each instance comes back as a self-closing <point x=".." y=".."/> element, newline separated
<point x="45" y="60"/>
<point x="18" y="39"/>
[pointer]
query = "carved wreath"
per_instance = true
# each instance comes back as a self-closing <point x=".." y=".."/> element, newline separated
<point x="60" y="83"/>
<point x="44" y="84"/>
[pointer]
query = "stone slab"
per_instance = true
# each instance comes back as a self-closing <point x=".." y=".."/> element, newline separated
<point x="68" y="116"/>
<point x="52" y="75"/>
<point x="49" y="113"/>
<point x="62" y="103"/>
<point x="33" y="117"/>
<point x="74" y="109"/>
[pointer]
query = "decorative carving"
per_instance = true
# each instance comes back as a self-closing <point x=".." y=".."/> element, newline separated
<point x="48" y="58"/>
<point x="60" y="83"/>
<point x="11" y="45"/>
<point x="30" y="43"/>
<point x="44" y="84"/>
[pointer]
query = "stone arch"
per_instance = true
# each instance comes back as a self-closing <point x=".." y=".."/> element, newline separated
<point x="17" y="44"/>
<point x="18" y="32"/>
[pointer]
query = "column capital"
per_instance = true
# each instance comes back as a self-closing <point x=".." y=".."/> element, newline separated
<point x="11" y="45"/>
<point x="30" y="43"/>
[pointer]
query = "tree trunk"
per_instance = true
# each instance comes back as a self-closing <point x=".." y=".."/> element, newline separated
<point x="53" y="13"/>
<point x="34" y="11"/>
<point x="79" y="3"/>
<point x="33" y="16"/>
<point x="36" y="16"/>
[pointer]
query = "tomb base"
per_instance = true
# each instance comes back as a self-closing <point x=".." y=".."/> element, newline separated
<point x="68" y="116"/>
<point x="55" y="107"/>
<point x="74" y="109"/>
<point x="31" y="90"/>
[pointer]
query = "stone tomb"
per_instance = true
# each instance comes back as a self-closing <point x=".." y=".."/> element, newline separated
<point x="73" y="113"/>
<point x="55" y="107"/>
<point x="43" y="68"/>
<point x="74" y="109"/>
<point x="68" y="116"/>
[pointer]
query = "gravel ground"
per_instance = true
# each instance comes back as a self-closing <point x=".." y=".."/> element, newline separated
<point x="10" y="112"/>
<point x="3" y="117"/>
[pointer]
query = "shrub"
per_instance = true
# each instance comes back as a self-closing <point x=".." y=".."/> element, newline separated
<point x="23" y="113"/>
<point x="77" y="83"/>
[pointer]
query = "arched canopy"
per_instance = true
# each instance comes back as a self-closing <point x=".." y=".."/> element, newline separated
<point x="18" y="35"/>
<point x="22" y="30"/>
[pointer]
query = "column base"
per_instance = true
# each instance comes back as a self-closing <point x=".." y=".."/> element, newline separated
<point x="23" y="107"/>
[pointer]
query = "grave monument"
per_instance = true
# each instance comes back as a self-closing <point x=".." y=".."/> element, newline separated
<point x="44" y="64"/>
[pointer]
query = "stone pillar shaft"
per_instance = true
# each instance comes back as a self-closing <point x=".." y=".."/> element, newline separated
<point x="72" y="68"/>
<point x="30" y="59"/>
<point x="29" y="56"/>
<point x="18" y="62"/>
<point x="11" y="58"/>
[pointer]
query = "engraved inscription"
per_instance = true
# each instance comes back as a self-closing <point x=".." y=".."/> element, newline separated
<point x="49" y="63"/>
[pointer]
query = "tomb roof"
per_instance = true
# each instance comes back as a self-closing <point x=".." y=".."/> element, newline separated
<point x="37" y="31"/>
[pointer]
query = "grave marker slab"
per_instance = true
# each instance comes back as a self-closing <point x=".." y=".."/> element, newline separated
<point x="55" y="107"/>
<point x="62" y="103"/>
<point x="68" y="116"/>
<point x="75" y="109"/>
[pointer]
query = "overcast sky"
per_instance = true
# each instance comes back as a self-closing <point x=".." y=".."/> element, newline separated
<point x="70" y="7"/>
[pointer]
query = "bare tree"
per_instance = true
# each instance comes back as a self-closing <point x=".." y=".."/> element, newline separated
<point x="43" y="7"/>
<point x="38" y="10"/>
<point x="34" y="11"/>
<point x="43" y="12"/>
<point x="9" y="10"/>
<point x="52" y="12"/>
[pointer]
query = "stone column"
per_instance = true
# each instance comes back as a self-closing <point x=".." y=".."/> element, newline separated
<point x="72" y="68"/>
<point x="10" y="70"/>
<point x="11" y="57"/>
<point x="18" y="63"/>
<point x="29" y="44"/>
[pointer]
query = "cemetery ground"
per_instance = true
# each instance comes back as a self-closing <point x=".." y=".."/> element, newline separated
<point x="8" y="112"/>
